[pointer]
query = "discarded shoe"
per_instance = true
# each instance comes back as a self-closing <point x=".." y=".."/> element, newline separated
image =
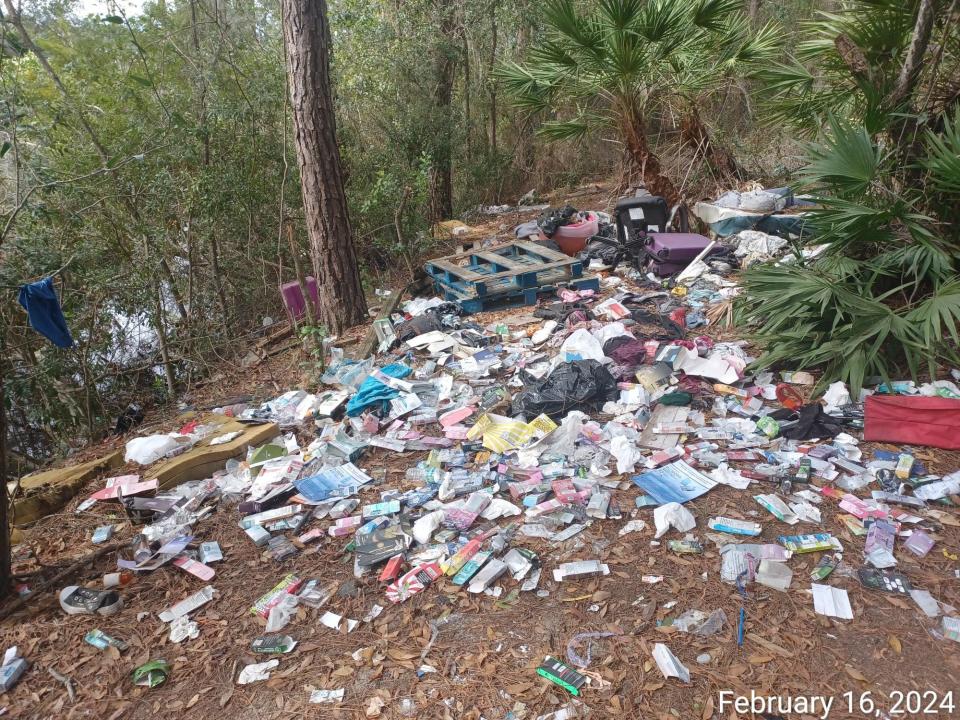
<point x="76" y="600"/>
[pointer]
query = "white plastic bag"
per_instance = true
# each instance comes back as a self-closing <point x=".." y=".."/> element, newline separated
<point x="426" y="526"/>
<point x="673" y="515"/>
<point x="836" y="396"/>
<point x="149" y="449"/>
<point x="182" y="628"/>
<point x="626" y="453"/>
<point x="581" y="345"/>
<point x="256" y="672"/>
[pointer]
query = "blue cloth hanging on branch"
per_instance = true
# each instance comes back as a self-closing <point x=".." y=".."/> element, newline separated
<point x="40" y="301"/>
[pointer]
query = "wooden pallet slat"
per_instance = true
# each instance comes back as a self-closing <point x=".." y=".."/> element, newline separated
<point x="504" y="261"/>
<point x="527" y="296"/>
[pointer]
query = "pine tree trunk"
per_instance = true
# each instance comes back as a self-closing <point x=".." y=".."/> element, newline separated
<point x="307" y="39"/>
<point x="441" y="179"/>
<point x="492" y="85"/>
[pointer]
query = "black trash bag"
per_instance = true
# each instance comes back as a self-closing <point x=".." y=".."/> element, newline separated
<point x="128" y="419"/>
<point x="552" y="218"/>
<point x="810" y="422"/>
<point x="579" y="385"/>
<point x="721" y="256"/>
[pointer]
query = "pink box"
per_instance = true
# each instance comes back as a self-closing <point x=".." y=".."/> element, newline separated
<point x="293" y="299"/>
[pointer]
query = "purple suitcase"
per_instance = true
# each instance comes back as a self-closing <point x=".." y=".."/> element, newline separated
<point x="671" y="252"/>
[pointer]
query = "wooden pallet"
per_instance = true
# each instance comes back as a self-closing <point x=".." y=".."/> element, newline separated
<point x="527" y="296"/>
<point x="508" y="268"/>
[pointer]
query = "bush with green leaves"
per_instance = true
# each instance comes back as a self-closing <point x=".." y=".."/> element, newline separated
<point x="882" y="298"/>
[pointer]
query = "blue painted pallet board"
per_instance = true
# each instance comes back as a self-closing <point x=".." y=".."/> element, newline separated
<point x="512" y="267"/>
<point x="527" y="296"/>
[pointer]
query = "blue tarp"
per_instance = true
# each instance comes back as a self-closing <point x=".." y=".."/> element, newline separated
<point x="373" y="392"/>
<point x="781" y="225"/>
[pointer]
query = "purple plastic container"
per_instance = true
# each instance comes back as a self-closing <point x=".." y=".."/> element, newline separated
<point x="293" y="299"/>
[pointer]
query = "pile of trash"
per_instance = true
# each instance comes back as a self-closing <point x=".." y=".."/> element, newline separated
<point x="521" y="434"/>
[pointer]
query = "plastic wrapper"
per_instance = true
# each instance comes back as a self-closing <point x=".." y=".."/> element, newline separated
<point x="699" y="623"/>
<point x="425" y="526"/>
<point x="281" y="613"/>
<point x="374" y="393"/>
<point x="579" y="385"/>
<point x="626" y="453"/>
<point x="668" y="663"/>
<point x="182" y="628"/>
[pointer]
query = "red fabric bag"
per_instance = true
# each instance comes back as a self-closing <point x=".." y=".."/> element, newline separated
<point x="913" y="420"/>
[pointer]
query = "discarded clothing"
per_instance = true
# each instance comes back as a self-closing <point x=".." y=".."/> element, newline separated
<point x="374" y="393"/>
<point x="625" y="350"/>
<point x="40" y="301"/>
<point x="553" y="218"/>
<point x="420" y="325"/>
<point x="812" y="422"/>
<point x="671" y="329"/>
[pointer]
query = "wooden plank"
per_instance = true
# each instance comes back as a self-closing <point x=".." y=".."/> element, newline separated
<point x="448" y="266"/>
<point x="497" y="259"/>
<point x="47" y="492"/>
<point x="568" y="263"/>
<point x="545" y="252"/>
<point x="532" y="266"/>
<point x="496" y="286"/>
<point x="370" y="341"/>
<point x="524" y="296"/>
<point x="203" y="459"/>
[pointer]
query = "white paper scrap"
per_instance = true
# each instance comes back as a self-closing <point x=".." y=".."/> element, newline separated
<point x="326" y="696"/>
<point x="831" y="601"/>
<point x="256" y="672"/>
<point x="334" y="621"/>
<point x="668" y="663"/>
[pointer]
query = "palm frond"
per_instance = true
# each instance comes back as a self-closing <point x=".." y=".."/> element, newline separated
<point x="760" y="47"/>
<point x="846" y="160"/>
<point x="619" y="14"/>
<point x="715" y="15"/>
<point x="943" y="157"/>
<point x="531" y="87"/>
<point x="663" y="21"/>
<point x="937" y="316"/>
<point x="574" y="130"/>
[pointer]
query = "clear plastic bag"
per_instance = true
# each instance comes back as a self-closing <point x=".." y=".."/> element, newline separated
<point x="282" y="613"/>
